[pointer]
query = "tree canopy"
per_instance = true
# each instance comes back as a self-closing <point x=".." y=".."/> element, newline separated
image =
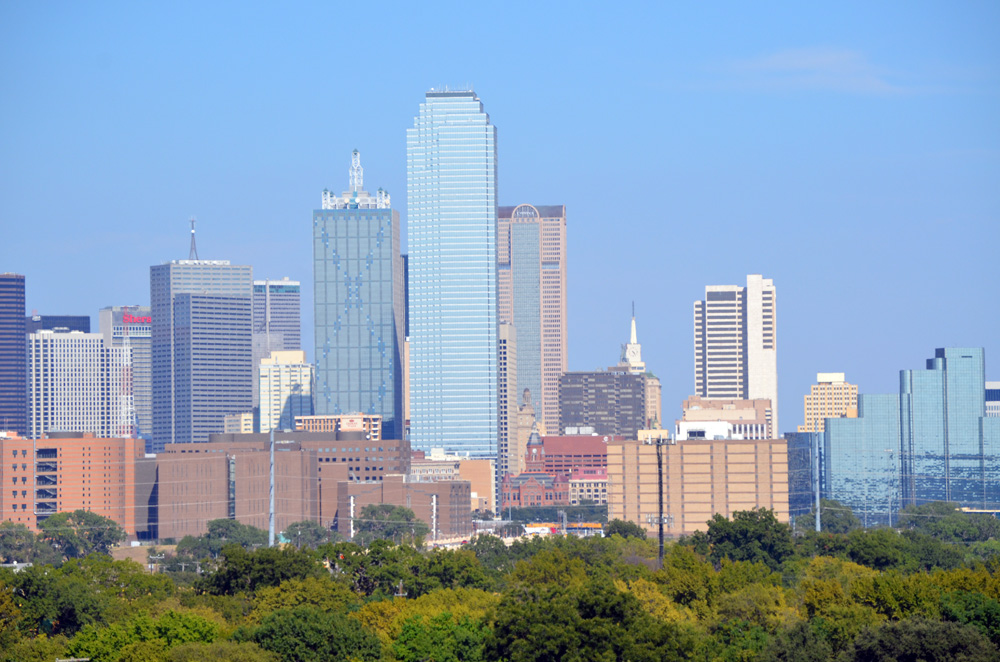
<point x="387" y="522"/>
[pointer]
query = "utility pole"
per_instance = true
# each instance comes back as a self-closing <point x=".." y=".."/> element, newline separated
<point x="659" y="442"/>
<point x="816" y="475"/>
<point x="270" y="510"/>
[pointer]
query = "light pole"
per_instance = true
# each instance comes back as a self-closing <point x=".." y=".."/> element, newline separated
<point x="659" y="442"/>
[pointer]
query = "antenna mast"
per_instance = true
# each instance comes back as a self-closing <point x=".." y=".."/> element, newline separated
<point x="356" y="172"/>
<point x="193" y="255"/>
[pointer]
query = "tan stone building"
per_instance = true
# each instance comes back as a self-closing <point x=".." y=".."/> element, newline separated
<point x="700" y="478"/>
<point x="751" y="419"/>
<point x="830" y="397"/>
<point x="368" y="425"/>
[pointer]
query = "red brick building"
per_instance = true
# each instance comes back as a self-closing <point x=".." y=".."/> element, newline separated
<point x="534" y="489"/>
<point x="568" y="453"/>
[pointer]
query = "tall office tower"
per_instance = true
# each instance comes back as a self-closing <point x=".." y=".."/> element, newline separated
<point x="993" y="399"/>
<point x="735" y="343"/>
<point x="451" y="171"/>
<point x="286" y="390"/>
<point x="131" y="327"/>
<point x="34" y="323"/>
<point x="201" y="347"/>
<point x="277" y="320"/>
<point x="531" y="283"/>
<point x="507" y="418"/>
<point x="76" y="383"/>
<point x="830" y="397"/>
<point x="13" y="349"/>
<point x="359" y="301"/>
<point x="611" y="402"/>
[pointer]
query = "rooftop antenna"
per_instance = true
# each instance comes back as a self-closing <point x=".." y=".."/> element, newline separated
<point x="193" y="255"/>
<point x="356" y="172"/>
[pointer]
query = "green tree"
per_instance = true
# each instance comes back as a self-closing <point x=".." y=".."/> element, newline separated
<point x="19" y="545"/>
<point x="220" y="651"/>
<point x="442" y="639"/>
<point x="388" y="522"/>
<point x="308" y="533"/>
<point x="221" y="532"/>
<point x="493" y="555"/>
<point x="880" y="549"/>
<point x="974" y="609"/>
<point x="81" y="532"/>
<point x="834" y="517"/>
<point x="624" y="529"/>
<point x="944" y="521"/>
<point x="918" y="640"/>
<point x="751" y="535"/>
<point x="243" y="571"/>
<point x="307" y="634"/>
<point x="121" y="641"/>
<point x="798" y="643"/>
<point x="321" y="592"/>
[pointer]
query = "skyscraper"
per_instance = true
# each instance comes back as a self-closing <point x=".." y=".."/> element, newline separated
<point x="286" y="390"/>
<point x="34" y="323"/>
<point x="201" y="347"/>
<point x="735" y="343"/>
<point x="277" y="320"/>
<point x="531" y="277"/>
<point x="76" y="383"/>
<point x="830" y="397"/>
<point x="359" y="301"/>
<point x="451" y="168"/>
<point x="13" y="350"/>
<point x="132" y="326"/>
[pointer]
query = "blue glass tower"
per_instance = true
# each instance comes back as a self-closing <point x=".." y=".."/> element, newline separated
<point x="359" y="306"/>
<point x="451" y="170"/>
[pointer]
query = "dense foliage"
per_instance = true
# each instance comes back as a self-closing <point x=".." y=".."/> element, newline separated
<point x="744" y="590"/>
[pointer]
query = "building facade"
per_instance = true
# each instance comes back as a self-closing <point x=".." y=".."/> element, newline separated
<point x="79" y="323"/>
<point x="993" y="399"/>
<point x="359" y="304"/>
<point x="131" y="328"/>
<point x="531" y="280"/>
<point x="276" y="313"/>
<point x="451" y="168"/>
<point x="735" y="343"/>
<point x="751" y="419"/>
<point x="830" y="397"/>
<point x="13" y="350"/>
<point x="286" y="390"/>
<point x="507" y="411"/>
<point x="612" y="402"/>
<point x="201" y="348"/>
<point x="77" y="384"/>
<point x="701" y="478"/>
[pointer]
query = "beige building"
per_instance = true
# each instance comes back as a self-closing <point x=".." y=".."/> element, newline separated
<point x="588" y="485"/>
<point x="507" y="418"/>
<point x="830" y="397"/>
<point x="751" y="419"/>
<point x="438" y="466"/>
<point x="735" y="343"/>
<point x="531" y="289"/>
<point x="362" y="426"/>
<point x="286" y="390"/>
<point x="238" y="423"/>
<point x="700" y="478"/>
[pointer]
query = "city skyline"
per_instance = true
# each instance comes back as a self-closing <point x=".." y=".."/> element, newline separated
<point x="853" y="150"/>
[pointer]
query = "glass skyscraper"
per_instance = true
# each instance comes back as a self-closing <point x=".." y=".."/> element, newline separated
<point x="13" y="353"/>
<point x="359" y="299"/>
<point x="451" y="169"/>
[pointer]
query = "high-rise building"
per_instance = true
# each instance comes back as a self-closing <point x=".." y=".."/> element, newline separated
<point x="531" y="281"/>
<point x="451" y="168"/>
<point x="830" y="397"/>
<point x="34" y="323"/>
<point x="13" y="350"/>
<point x="359" y="301"/>
<point x="277" y="320"/>
<point x="932" y="442"/>
<point x="993" y="399"/>
<point x="132" y="327"/>
<point x="735" y="343"/>
<point x="201" y="347"/>
<point x="76" y="383"/>
<point x="507" y="413"/>
<point x="286" y="390"/>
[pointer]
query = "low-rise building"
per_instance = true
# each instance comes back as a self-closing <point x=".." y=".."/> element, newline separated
<point x="534" y="489"/>
<point x="588" y="485"/>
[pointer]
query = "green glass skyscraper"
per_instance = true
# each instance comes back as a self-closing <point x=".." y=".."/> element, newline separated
<point x="451" y="168"/>
<point x="359" y="314"/>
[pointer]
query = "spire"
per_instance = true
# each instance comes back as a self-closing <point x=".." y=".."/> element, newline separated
<point x="193" y="255"/>
<point x="356" y="172"/>
<point x="632" y="351"/>
<point x="633" y="340"/>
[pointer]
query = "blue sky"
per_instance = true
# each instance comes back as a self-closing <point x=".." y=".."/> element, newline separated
<point x="851" y="152"/>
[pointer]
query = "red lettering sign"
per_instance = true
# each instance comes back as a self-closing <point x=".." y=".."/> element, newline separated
<point x="133" y="319"/>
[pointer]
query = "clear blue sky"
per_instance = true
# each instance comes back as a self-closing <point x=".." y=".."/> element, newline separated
<point x="850" y="152"/>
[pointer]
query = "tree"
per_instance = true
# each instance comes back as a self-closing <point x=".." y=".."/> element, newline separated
<point x="799" y="643"/>
<point x="834" y="517"/>
<point x="320" y="592"/>
<point x="305" y="634"/>
<point x="918" y="639"/>
<point x="389" y="522"/>
<point x="243" y="571"/>
<point x="880" y="549"/>
<point x="442" y="639"/>
<point x="944" y="521"/>
<point x="81" y="532"/>
<point x="751" y="535"/>
<point x="624" y="529"/>
<point x="221" y="532"/>
<point x="308" y="533"/>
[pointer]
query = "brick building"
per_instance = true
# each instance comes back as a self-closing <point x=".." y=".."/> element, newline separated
<point x="568" y="453"/>
<point x="445" y="506"/>
<point x="534" y="489"/>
